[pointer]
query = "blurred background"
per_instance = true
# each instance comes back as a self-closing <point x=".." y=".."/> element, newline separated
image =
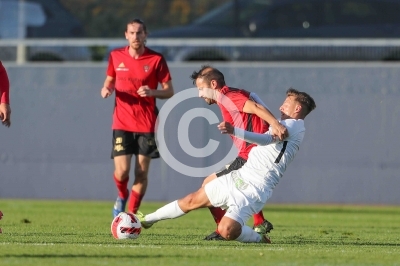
<point x="262" y="30"/>
<point x="345" y="53"/>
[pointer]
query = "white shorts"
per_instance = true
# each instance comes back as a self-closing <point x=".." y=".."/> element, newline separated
<point x="231" y="192"/>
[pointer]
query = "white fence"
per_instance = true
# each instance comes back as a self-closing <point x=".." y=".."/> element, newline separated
<point x="23" y="50"/>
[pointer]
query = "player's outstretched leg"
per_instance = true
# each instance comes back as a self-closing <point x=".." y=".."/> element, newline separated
<point x="169" y="211"/>
<point x="142" y="219"/>
<point x="176" y="208"/>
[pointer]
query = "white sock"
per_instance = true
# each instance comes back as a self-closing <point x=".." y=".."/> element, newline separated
<point x="248" y="235"/>
<point x="169" y="211"/>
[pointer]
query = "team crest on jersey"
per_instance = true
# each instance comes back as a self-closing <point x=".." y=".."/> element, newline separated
<point x="121" y="67"/>
<point x="146" y="68"/>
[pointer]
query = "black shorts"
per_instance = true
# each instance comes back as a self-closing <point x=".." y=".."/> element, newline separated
<point x="234" y="165"/>
<point x="125" y="142"/>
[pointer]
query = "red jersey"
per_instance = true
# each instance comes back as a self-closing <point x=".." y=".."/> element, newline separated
<point x="132" y="112"/>
<point x="231" y="104"/>
<point x="4" y="85"/>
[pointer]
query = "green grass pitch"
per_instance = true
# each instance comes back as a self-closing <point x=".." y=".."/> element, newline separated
<point x="78" y="233"/>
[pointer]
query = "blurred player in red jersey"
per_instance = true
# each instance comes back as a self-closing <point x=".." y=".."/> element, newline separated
<point x="1" y="216"/>
<point x="5" y="110"/>
<point x="133" y="73"/>
<point x="239" y="106"/>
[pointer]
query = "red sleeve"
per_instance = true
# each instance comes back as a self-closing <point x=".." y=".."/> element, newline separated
<point x="4" y="85"/>
<point x="163" y="74"/>
<point x="110" y="69"/>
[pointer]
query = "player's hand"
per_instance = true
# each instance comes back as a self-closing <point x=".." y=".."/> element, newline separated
<point x="226" y="128"/>
<point x="280" y="131"/>
<point x="145" y="91"/>
<point x="105" y="92"/>
<point x="5" y="114"/>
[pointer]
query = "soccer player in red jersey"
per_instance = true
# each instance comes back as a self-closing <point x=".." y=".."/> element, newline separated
<point x="242" y="109"/>
<point x="134" y="73"/>
<point x="5" y="110"/>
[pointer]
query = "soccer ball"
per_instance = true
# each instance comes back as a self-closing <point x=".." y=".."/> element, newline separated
<point x="126" y="226"/>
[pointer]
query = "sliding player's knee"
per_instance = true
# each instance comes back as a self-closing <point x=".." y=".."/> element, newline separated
<point x="229" y="231"/>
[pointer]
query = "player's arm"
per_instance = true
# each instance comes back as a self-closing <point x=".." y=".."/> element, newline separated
<point x="257" y="99"/>
<point x="4" y="86"/>
<point x="252" y="107"/>
<point x="108" y="87"/>
<point x="166" y="91"/>
<point x="259" y="139"/>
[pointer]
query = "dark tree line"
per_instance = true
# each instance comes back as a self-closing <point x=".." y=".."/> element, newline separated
<point x="107" y="18"/>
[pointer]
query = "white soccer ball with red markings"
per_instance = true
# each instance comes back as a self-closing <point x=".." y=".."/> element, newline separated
<point x="126" y="226"/>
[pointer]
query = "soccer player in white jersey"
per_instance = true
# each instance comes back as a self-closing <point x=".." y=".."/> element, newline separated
<point x="245" y="191"/>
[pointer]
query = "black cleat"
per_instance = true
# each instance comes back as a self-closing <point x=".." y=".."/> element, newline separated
<point x="264" y="228"/>
<point x="214" y="236"/>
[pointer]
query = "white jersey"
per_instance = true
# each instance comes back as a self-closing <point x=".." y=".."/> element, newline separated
<point x="266" y="164"/>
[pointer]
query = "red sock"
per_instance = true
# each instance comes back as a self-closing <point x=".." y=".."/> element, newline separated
<point x="122" y="187"/>
<point x="217" y="214"/>
<point x="134" y="201"/>
<point x="258" y="218"/>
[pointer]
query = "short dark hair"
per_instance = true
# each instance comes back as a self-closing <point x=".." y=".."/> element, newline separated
<point x="208" y="73"/>
<point x="306" y="101"/>
<point x="138" y="21"/>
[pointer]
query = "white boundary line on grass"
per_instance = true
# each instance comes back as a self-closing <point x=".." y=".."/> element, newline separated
<point x="263" y="247"/>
